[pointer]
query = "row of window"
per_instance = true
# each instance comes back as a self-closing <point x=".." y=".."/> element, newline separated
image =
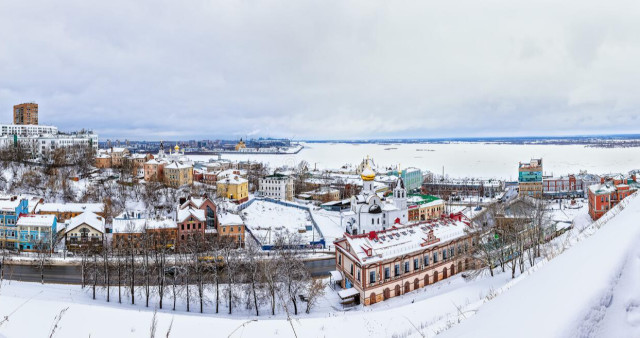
<point x="435" y="257"/>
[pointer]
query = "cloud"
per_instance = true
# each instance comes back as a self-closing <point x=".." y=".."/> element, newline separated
<point x="322" y="70"/>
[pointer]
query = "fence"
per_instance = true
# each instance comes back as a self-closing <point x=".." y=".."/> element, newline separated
<point x="319" y="243"/>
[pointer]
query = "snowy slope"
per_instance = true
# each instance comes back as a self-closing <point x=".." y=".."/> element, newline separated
<point x="592" y="289"/>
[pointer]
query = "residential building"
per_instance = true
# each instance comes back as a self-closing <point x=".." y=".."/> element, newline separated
<point x="192" y="223"/>
<point x="27" y="130"/>
<point x="177" y="174"/>
<point x="234" y="188"/>
<point x="203" y="203"/>
<point x="154" y="169"/>
<point x="36" y="232"/>
<point x="25" y="113"/>
<point x="453" y="189"/>
<point x="379" y="265"/>
<point x="11" y="208"/>
<point x="530" y="178"/>
<point x="412" y="177"/>
<point x="425" y="207"/>
<point x="563" y="186"/>
<point x="231" y="226"/>
<point x="277" y="186"/>
<point x="321" y="194"/>
<point x="66" y="211"/>
<point x="85" y="232"/>
<point x="130" y="232"/>
<point x="603" y="197"/>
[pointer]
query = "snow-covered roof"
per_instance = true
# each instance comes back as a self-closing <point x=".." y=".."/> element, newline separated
<point x="70" y="207"/>
<point x="197" y="201"/>
<point x="227" y="218"/>
<point x="8" y="205"/>
<point x="235" y="179"/>
<point x="139" y="224"/>
<point x="399" y="241"/>
<point x="346" y="293"/>
<point x="36" y="220"/>
<point x="178" y="165"/>
<point x="88" y="218"/>
<point x="183" y="214"/>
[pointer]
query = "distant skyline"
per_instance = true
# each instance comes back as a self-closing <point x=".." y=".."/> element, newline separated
<point x="326" y="70"/>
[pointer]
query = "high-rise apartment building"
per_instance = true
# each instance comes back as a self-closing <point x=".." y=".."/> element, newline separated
<point x="25" y="113"/>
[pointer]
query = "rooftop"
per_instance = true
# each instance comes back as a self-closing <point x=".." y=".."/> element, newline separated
<point x="399" y="241"/>
<point x="36" y="220"/>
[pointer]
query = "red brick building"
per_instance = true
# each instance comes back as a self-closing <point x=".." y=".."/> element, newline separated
<point x="606" y="195"/>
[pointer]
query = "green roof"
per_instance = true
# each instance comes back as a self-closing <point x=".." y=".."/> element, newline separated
<point x="425" y="198"/>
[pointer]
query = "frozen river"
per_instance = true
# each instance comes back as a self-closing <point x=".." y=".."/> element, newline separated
<point x="459" y="159"/>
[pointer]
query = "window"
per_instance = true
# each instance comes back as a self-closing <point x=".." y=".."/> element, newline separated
<point x="387" y="273"/>
<point x="372" y="277"/>
<point x="444" y="254"/>
<point x="452" y="252"/>
<point x="415" y="264"/>
<point x="426" y="260"/>
<point x="397" y="270"/>
<point x="339" y="259"/>
<point x="351" y="270"/>
<point x="358" y="277"/>
<point x="435" y="257"/>
<point x="406" y="266"/>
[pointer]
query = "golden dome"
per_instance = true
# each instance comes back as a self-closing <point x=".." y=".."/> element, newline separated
<point x="177" y="147"/>
<point x="368" y="174"/>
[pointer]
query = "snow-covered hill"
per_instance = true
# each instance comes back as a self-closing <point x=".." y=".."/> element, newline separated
<point x="590" y="290"/>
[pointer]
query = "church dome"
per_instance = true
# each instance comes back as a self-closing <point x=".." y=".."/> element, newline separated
<point x="375" y="209"/>
<point x="176" y="148"/>
<point x="368" y="174"/>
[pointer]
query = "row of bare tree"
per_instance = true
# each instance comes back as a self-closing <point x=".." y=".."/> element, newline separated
<point x="509" y="237"/>
<point x="205" y="272"/>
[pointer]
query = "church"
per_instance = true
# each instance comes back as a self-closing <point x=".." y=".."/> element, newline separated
<point x="370" y="212"/>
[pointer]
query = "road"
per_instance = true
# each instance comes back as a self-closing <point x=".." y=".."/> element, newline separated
<point x="72" y="274"/>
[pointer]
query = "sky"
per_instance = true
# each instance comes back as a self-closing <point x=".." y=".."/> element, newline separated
<point x="169" y="70"/>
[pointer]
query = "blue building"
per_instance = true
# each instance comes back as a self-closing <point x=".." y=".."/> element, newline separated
<point x="412" y="178"/>
<point x="10" y="211"/>
<point x="36" y="232"/>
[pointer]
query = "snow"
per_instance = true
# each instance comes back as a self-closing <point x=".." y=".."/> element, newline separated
<point x="227" y="218"/>
<point x="69" y="207"/>
<point x="88" y="218"/>
<point x="265" y="219"/>
<point x="36" y="220"/>
<point x="590" y="290"/>
<point x="555" y="301"/>
<point x="403" y="240"/>
<point x="462" y="159"/>
<point x="183" y="214"/>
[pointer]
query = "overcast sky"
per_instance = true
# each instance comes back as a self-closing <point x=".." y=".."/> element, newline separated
<point x="323" y="69"/>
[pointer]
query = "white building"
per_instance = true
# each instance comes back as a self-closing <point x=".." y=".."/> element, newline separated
<point x="370" y="212"/>
<point x="27" y="130"/>
<point x="277" y="186"/>
<point x="40" y="144"/>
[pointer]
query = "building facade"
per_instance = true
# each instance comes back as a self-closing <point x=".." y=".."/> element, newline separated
<point x="231" y="227"/>
<point x="425" y="207"/>
<point x="37" y="233"/>
<point x="27" y="130"/>
<point x="277" y="186"/>
<point x="412" y="177"/>
<point x="603" y="197"/>
<point x="234" y="188"/>
<point x="66" y="211"/>
<point x="370" y="212"/>
<point x="384" y="264"/>
<point x="85" y="232"/>
<point x="25" y="113"/>
<point x="177" y="174"/>
<point x="10" y="211"/>
<point x="530" y="178"/>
